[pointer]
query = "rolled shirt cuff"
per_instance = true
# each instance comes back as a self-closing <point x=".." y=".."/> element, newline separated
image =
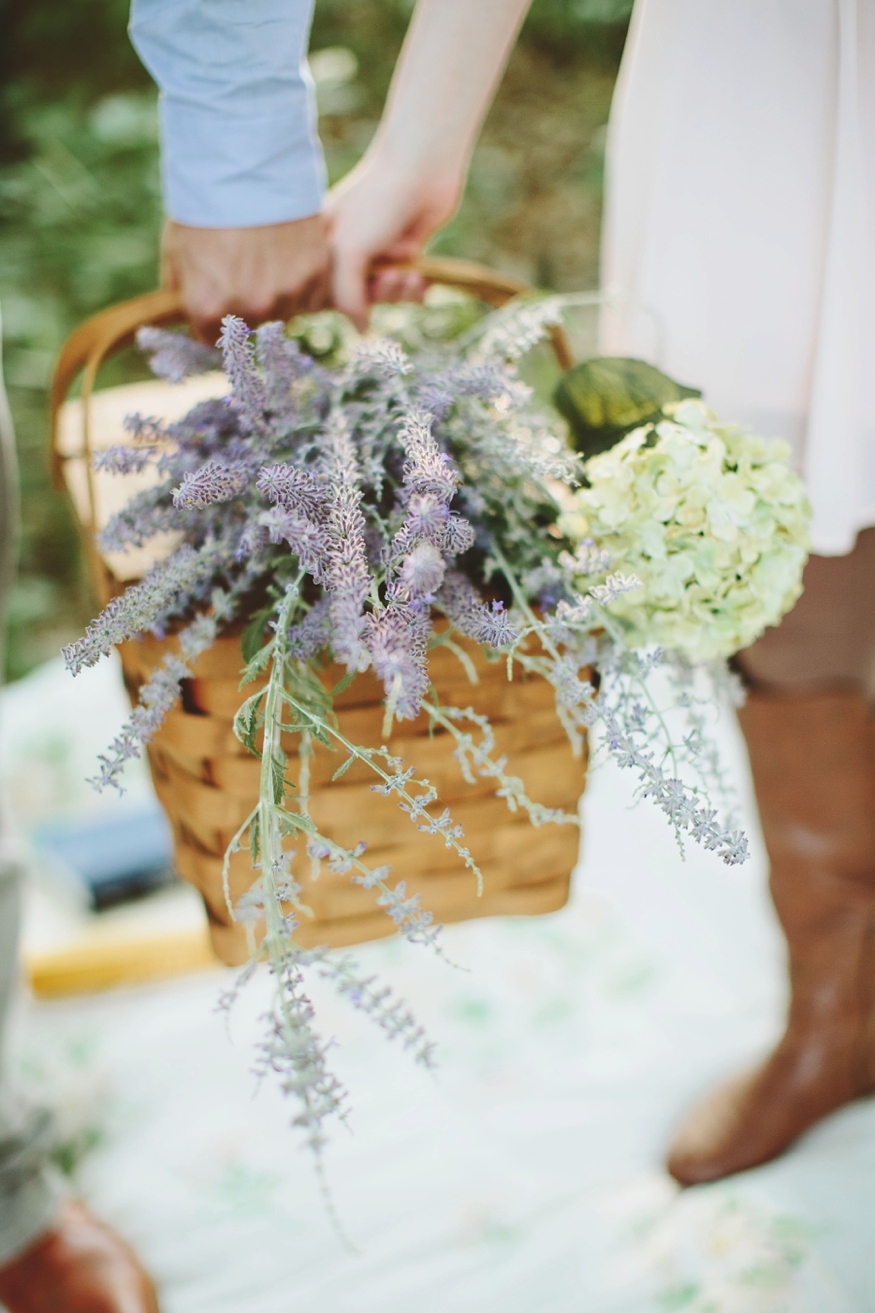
<point x="238" y="118"/>
<point x="228" y="172"/>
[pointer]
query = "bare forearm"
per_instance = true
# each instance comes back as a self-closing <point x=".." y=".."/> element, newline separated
<point x="453" y="56"/>
<point x="412" y="175"/>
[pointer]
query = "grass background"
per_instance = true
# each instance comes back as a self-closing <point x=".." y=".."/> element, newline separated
<point x="80" y="203"/>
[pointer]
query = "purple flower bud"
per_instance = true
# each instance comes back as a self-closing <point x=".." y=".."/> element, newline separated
<point x="307" y="541"/>
<point x="247" y="386"/>
<point x="461" y="603"/>
<point x="380" y="356"/>
<point x="212" y="483"/>
<point x="422" y="570"/>
<point x="175" y="356"/>
<point x="427" y="468"/>
<point x="427" y="516"/>
<point x="458" y="537"/>
<point x="295" y="489"/>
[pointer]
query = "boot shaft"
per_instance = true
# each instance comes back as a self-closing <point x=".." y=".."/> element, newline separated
<point x="812" y="759"/>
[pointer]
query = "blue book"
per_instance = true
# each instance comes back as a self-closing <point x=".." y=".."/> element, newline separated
<point x="116" y="857"/>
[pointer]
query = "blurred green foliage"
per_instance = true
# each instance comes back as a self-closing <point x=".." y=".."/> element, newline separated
<point x="79" y="220"/>
<point x="80" y="206"/>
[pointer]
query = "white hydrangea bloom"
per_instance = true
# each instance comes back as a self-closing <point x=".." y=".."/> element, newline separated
<point x="711" y="520"/>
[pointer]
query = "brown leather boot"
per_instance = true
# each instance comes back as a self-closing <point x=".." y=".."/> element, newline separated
<point x="813" y="762"/>
<point x="80" y="1266"/>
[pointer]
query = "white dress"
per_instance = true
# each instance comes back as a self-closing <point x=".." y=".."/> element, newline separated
<point x="740" y="214"/>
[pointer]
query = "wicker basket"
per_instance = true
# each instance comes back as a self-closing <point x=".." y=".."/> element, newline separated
<point x="208" y="783"/>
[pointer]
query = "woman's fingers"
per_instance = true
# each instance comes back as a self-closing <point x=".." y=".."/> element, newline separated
<point x="379" y="219"/>
<point x="386" y="284"/>
<point x="350" y="292"/>
<point x="414" y="286"/>
<point x="395" y="284"/>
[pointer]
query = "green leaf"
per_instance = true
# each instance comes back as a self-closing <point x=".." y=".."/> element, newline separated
<point x="278" y="776"/>
<point x="605" y="398"/>
<point x="293" y="822"/>
<point x="343" y="684"/>
<point x="252" y="638"/>
<point x="341" y="770"/>
<point x="246" y="723"/>
<point x="257" y="665"/>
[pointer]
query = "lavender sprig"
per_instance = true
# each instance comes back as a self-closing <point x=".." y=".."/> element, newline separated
<point x="136" y="610"/>
<point x="477" y="758"/>
<point x="345" y="574"/>
<point x="293" y="1050"/>
<point x="248" y="391"/>
<point x="461" y="603"/>
<point x="176" y="356"/>
<point x="214" y="482"/>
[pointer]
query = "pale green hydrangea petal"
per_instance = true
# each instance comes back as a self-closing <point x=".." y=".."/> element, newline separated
<point x="711" y="519"/>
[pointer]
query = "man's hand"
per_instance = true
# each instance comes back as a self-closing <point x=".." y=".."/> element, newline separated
<point x="271" y="272"/>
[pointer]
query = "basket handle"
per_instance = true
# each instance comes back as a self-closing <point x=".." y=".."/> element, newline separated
<point x="106" y="332"/>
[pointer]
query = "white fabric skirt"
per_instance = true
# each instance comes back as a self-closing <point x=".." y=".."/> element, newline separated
<point x="740" y="222"/>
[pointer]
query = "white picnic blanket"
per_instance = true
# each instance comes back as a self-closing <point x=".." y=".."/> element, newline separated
<point x="526" y="1177"/>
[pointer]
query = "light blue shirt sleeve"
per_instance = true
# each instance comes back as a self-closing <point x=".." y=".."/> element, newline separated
<point x="238" y="116"/>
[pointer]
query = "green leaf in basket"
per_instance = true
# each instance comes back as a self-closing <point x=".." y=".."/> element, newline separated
<point x="252" y="638"/>
<point x="606" y="397"/>
<point x="343" y="684"/>
<point x="341" y="770"/>
<point x="278" y="776"/>
<point x="246" y="723"/>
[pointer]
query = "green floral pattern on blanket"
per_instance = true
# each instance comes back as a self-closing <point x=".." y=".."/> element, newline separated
<point x="722" y="1252"/>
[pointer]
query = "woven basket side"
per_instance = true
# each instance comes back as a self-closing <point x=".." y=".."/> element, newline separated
<point x="208" y="784"/>
<point x="511" y="857"/>
<point x="231" y="946"/>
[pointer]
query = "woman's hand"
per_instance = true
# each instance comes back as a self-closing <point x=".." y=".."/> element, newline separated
<point x="411" y="178"/>
<point x="269" y="272"/>
<point x="380" y="217"/>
